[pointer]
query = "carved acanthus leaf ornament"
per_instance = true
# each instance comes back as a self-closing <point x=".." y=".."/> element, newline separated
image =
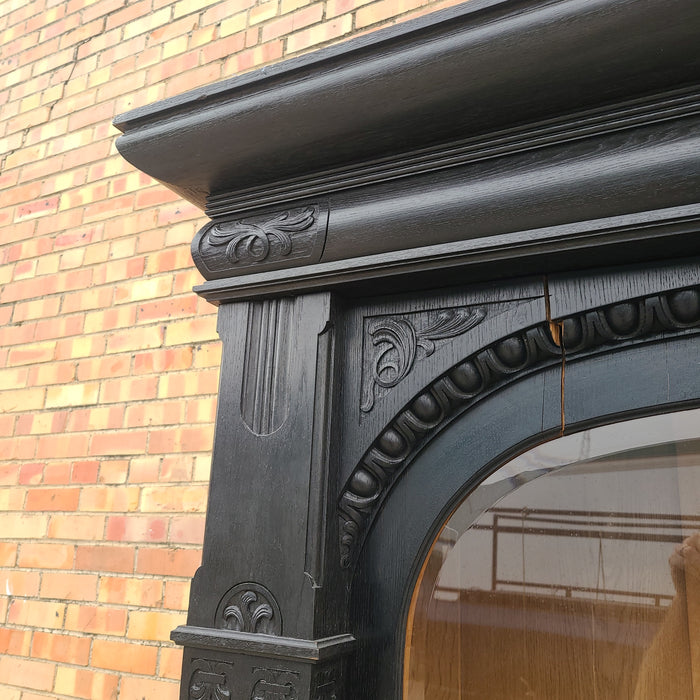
<point x="392" y="346"/>
<point x="252" y="241"/>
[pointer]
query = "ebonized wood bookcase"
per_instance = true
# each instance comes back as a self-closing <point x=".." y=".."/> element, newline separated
<point x="485" y="220"/>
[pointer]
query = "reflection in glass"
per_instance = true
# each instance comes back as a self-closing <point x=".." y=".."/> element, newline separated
<point x="573" y="572"/>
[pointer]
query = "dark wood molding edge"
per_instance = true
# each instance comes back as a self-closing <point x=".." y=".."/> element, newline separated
<point x="443" y="78"/>
<point x="672" y="230"/>
<point x="313" y="651"/>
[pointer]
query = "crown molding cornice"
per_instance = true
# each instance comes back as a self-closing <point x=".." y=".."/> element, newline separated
<point x="464" y="137"/>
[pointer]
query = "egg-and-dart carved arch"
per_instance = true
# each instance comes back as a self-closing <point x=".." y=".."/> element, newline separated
<point x="623" y="323"/>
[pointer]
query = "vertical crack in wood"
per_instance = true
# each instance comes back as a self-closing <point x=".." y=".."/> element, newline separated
<point x="556" y="330"/>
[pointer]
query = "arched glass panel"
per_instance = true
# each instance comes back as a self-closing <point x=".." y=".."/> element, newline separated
<point x="572" y="572"/>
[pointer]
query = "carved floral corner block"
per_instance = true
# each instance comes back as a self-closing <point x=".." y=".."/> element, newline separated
<point x="249" y="607"/>
<point x="231" y="246"/>
<point x="393" y="345"/>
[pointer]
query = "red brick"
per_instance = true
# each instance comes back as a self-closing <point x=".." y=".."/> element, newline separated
<point x="95" y="418"/>
<point x="178" y="499"/>
<point x="53" y="446"/>
<point x="169" y="440"/>
<point x="52" y="499"/>
<point x="114" y="499"/>
<point x="144" y="469"/>
<point x="133" y="528"/>
<point x="65" y="325"/>
<point x="77" y="527"/>
<point x="25" y="526"/>
<point x="23" y="584"/>
<point x="170" y="663"/>
<point x="162" y="413"/>
<point x="52" y="373"/>
<point x="85" y="472"/>
<point x="103" y="367"/>
<point x="37" y="675"/>
<point x="201" y="410"/>
<point x="115" y="443"/>
<point x="12" y="499"/>
<point x="18" y="448"/>
<point x="205" y="381"/>
<point x="163" y="359"/>
<point x="104" y="558"/>
<point x="8" y="554"/>
<point x="83" y="683"/>
<point x="143" y="592"/>
<point x="65" y="586"/>
<point x="62" y="648"/>
<point x="95" y="619"/>
<point x="151" y="625"/>
<point x="133" y="688"/>
<point x="123" y="390"/>
<point x="14" y="641"/>
<point x="113" y="471"/>
<point x="36" y="613"/>
<point x="187" y="530"/>
<point x="166" y="309"/>
<point x="57" y="473"/>
<point x="168" y="562"/>
<point x="41" y="207"/>
<point x="38" y="423"/>
<point x="176" y="468"/>
<point x="122" y="656"/>
<point x="135" y="339"/>
<point x="46" y="556"/>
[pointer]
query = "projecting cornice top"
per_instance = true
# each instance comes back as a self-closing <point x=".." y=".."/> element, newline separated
<point x="483" y="121"/>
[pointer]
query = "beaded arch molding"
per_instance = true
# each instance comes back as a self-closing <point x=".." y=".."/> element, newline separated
<point x="489" y="369"/>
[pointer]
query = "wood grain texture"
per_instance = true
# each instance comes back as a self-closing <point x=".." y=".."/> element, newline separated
<point x="312" y="115"/>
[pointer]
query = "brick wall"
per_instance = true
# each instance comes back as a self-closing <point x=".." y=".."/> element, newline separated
<point x="108" y="361"/>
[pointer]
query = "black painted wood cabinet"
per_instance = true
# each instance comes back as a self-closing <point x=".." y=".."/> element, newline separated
<point x="484" y="221"/>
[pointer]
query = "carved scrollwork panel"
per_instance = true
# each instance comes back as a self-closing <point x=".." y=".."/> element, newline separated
<point x="393" y="344"/>
<point x="210" y="680"/>
<point x="230" y="246"/>
<point x="507" y="359"/>
<point x="274" y="684"/>
<point x="249" y="607"/>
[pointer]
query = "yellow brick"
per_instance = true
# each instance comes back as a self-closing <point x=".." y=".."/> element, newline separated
<point x="143" y="289"/>
<point x="72" y="395"/>
<point x="21" y="400"/>
<point x="23" y="526"/>
<point x="175" y="46"/>
<point x="237" y="23"/>
<point x="155" y="626"/>
<point x="264" y="11"/>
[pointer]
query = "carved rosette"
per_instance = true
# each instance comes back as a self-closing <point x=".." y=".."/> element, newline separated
<point x="392" y="346"/>
<point x="209" y="680"/>
<point x="274" y="684"/>
<point x="506" y="360"/>
<point x="249" y="607"/>
<point x="230" y="246"/>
